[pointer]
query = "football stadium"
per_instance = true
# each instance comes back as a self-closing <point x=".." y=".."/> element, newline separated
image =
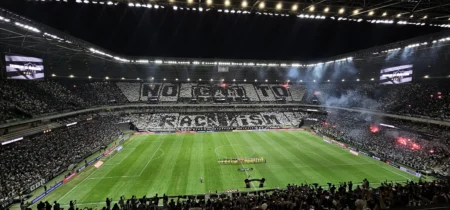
<point x="167" y="104"/>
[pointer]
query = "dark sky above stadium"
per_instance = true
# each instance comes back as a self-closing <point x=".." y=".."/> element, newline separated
<point x="168" y="33"/>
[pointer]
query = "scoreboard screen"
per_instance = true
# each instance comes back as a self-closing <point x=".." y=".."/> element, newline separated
<point x="396" y="75"/>
<point x="24" y="67"/>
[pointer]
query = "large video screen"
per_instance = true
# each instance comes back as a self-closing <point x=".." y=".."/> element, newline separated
<point x="396" y="75"/>
<point x="24" y="67"/>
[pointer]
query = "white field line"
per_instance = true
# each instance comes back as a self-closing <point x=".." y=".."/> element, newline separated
<point x="112" y="177"/>
<point x="77" y="185"/>
<point x="151" y="158"/>
<point x="237" y="156"/>
<point x="386" y="168"/>
<point x="122" y="158"/>
<point x="83" y="180"/>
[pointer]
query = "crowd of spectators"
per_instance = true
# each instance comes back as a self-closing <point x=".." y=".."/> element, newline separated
<point x="41" y="97"/>
<point x="400" y="145"/>
<point x="33" y="98"/>
<point x="26" y="162"/>
<point x="414" y="99"/>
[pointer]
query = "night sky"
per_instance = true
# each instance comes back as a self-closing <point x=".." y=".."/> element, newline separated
<point x="168" y="33"/>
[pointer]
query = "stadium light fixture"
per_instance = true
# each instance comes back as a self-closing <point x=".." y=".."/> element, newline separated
<point x="279" y="6"/>
<point x="176" y="79"/>
<point x="107" y="78"/>
<point x="328" y="80"/>
<point x="53" y="75"/>
<point x="200" y="80"/>
<point x="425" y="17"/>
<point x="256" y="80"/>
<point x="245" y="80"/>
<point x="153" y="78"/>
<point x="130" y="4"/>
<point x="426" y="76"/>
<point x="314" y="80"/>
<point x="399" y="15"/>
<point x="223" y="80"/>
<point x="175" y="8"/>
<point x="301" y="80"/>
<point x="211" y="80"/>
<point x="138" y="78"/>
<point x="89" y="77"/>
<point x="357" y="80"/>
<point x="411" y="16"/>
<point x="227" y="3"/>
<point x="262" y="5"/>
<point x="109" y="3"/>
<point x="341" y="11"/>
<point x="356" y="11"/>
<point x="372" y="79"/>
<point x="384" y="14"/>
<point x="294" y="7"/>
<point x="234" y="80"/>
<point x="288" y="80"/>
<point x="327" y="9"/>
<point x="188" y="79"/>
<point x="371" y="13"/>
<point x="209" y="2"/>
<point x="312" y="8"/>
<point x="123" y="78"/>
<point x="244" y="4"/>
<point x="266" y="80"/>
<point x="343" y="80"/>
<point x="164" y="79"/>
<point x="190" y="1"/>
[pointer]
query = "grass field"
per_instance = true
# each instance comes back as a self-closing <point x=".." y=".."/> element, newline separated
<point x="174" y="163"/>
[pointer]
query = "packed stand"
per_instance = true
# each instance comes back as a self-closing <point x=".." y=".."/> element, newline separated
<point x="430" y="100"/>
<point x="25" y="162"/>
<point x="97" y="93"/>
<point x="34" y="98"/>
<point x="402" y="146"/>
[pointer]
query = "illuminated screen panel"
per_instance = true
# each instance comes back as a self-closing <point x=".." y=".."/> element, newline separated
<point x="396" y="75"/>
<point x="24" y="67"/>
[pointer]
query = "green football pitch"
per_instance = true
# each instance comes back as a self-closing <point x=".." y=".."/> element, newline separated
<point x="173" y="164"/>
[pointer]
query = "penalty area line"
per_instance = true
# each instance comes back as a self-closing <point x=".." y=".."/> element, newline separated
<point x="151" y="158"/>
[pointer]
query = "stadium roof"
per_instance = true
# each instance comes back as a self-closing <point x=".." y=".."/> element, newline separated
<point x="433" y="10"/>
<point x="64" y="55"/>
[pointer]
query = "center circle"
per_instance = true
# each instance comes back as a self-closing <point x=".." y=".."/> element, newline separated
<point x="235" y="151"/>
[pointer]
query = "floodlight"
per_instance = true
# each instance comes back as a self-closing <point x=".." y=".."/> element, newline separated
<point x="244" y="4"/>
<point x="294" y="7"/>
<point x="262" y="5"/>
<point x="279" y="6"/>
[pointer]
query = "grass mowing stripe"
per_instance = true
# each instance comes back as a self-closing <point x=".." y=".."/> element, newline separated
<point x="162" y="141"/>
<point x="237" y="156"/>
